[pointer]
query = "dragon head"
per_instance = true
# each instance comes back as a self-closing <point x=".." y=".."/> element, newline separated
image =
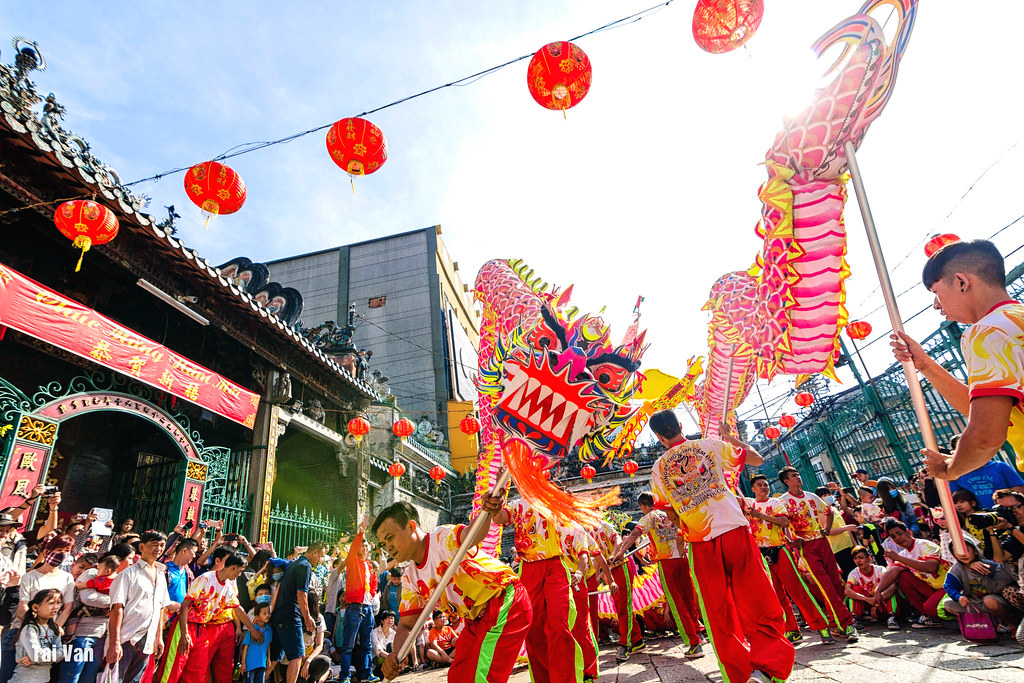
<point x="558" y="379"/>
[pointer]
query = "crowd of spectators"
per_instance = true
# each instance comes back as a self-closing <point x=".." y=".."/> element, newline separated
<point x="83" y="604"/>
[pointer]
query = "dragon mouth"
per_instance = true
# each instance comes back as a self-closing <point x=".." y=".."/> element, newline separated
<point x="547" y="402"/>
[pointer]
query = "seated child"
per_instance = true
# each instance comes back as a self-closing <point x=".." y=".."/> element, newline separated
<point x="861" y="585"/>
<point x="106" y="572"/>
<point x="966" y="586"/>
<point x="442" y="640"/>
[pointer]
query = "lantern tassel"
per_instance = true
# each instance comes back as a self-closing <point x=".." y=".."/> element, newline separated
<point x="83" y="243"/>
<point x="564" y="117"/>
<point x="353" y="181"/>
<point x="206" y="223"/>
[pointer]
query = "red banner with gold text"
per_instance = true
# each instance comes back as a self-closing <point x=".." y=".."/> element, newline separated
<point x="31" y="308"/>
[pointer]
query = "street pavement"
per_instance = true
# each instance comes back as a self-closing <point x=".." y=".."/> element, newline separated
<point x="907" y="656"/>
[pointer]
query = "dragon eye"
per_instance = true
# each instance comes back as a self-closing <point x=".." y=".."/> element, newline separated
<point x="609" y="376"/>
<point x="604" y="378"/>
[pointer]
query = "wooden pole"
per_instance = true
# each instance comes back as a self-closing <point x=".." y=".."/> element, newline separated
<point x="913" y="384"/>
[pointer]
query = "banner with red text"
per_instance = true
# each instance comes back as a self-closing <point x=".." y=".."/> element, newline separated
<point x="31" y="308"/>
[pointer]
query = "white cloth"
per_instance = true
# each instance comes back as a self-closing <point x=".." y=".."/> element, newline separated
<point x="35" y="581"/>
<point x="144" y="598"/>
<point x="380" y="641"/>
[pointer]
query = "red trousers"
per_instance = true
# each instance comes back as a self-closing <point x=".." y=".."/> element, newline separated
<point x="630" y="632"/>
<point x="861" y="608"/>
<point x="488" y="646"/>
<point x="731" y="586"/>
<point x="211" y="657"/>
<point x="787" y="582"/>
<point x="595" y="618"/>
<point x="582" y="631"/>
<point x="676" y="582"/>
<point x="923" y="597"/>
<point x="553" y="653"/>
<point x="822" y="563"/>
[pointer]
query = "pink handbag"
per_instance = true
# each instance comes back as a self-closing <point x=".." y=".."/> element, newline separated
<point x="977" y="626"/>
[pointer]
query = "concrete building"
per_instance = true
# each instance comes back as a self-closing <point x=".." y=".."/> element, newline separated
<point x="408" y="303"/>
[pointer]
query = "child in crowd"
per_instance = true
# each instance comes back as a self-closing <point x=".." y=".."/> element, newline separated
<point x="38" y="647"/>
<point x="262" y="597"/>
<point x="106" y="572"/>
<point x="860" y="589"/>
<point x="254" y="655"/>
<point x="976" y="583"/>
<point x="442" y="640"/>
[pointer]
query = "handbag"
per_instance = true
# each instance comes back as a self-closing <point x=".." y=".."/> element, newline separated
<point x="109" y="674"/>
<point x="977" y="626"/>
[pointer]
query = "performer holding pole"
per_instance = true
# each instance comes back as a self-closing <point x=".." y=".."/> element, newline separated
<point x="971" y="268"/>
<point x="484" y="591"/>
<point x="747" y="631"/>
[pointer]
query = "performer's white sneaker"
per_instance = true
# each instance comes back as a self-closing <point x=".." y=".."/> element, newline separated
<point x="759" y="677"/>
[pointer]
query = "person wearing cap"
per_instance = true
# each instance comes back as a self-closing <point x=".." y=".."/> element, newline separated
<point x="748" y="634"/>
<point x="968" y="280"/>
<point x="864" y="478"/>
<point x="672" y="566"/>
<point x="976" y="583"/>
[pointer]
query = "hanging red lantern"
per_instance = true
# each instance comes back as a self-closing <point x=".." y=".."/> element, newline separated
<point x="858" y="330"/>
<point x="358" y="427"/>
<point x="357" y="146"/>
<point x="469" y="425"/>
<point x="787" y="421"/>
<point x="437" y="474"/>
<point x="396" y="469"/>
<point x="772" y="432"/>
<point x="938" y="243"/>
<point x="559" y="76"/>
<point x="214" y="188"/>
<point x="588" y="472"/>
<point x="630" y="467"/>
<point x="85" y="223"/>
<point x="724" y="25"/>
<point x="403" y="428"/>
<point x="804" y="399"/>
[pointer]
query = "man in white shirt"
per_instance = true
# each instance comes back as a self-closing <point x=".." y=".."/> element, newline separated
<point x="137" y="599"/>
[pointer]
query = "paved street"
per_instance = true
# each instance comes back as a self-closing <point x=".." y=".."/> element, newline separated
<point x="907" y="656"/>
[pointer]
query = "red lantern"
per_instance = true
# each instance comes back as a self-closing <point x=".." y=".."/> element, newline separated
<point x="724" y="25"/>
<point x="358" y="427"/>
<point x="804" y="399"/>
<point x="403" y="428"/>
<point x="559" y="76"/>
<point x="437" y="473"/>
<point x="787" y="421"/>
<point x="630" y="467"/>
<point x="357" y="146"/>
<point x="214" y="188"/>
<point x="772" y="432"/>
<point x="469" y="425"/>
<point x="858" y="330"/>
<point x="938" y="243"/>
<point x="85" y="223"/>
<point x="588" y="472"/>
<point x="396" y="469"/>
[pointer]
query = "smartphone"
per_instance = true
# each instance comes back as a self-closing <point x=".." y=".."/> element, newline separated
<point x="202" y="525"/>
<point x="230" y="538"/>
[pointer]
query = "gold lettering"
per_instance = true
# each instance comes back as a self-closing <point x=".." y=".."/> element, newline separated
<point x="20" y="488"/>
<point x="28" y="461"/>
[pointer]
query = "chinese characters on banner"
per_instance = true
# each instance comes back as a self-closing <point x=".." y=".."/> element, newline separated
<point x="192" y="504"/>
<point x="40" y="312"/>
<point x="27" y="464"/>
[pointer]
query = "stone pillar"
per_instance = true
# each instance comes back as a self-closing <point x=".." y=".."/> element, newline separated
<point x="263" y="467"/>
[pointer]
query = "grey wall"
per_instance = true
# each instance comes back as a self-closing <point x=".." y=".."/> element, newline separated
<point x="316" y="277"/>
<point x="397" y="268"/>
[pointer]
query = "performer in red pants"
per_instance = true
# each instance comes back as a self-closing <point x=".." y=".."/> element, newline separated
<point x="583" y="557"/>
<point x="809" y="520"/>
<point x="554" y="654"/>
<point x="672" y="566"/>
<point x="768" y="519"/>
<point x="746" y="632"/>
<point x="486" y="593"/>
<point x="631" y="637"/>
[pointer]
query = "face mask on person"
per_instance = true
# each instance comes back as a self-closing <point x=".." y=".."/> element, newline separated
<point x="831" y="500"/>
<point x="276" y="576"/>
<point x="56" y="559"/>
<point x="262" y="599"/>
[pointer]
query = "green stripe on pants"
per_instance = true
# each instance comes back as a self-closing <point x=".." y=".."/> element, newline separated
<point x="577" y="651"/>
<point x="483" y="662"/>
<point x="707" y="620"/>
<point x="672" y="604"/>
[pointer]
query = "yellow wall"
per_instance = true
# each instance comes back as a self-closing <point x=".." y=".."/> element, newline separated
<point x="464" y="447"/>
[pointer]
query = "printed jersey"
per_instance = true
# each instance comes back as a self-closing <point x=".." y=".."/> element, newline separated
<point x="926" y="550"/>
<point x="663" y="534"/>
<point x="993" y="350"/>
<point x="806" y="513"/>
<point x="864" y="584"/>
<point x="445" y="638"/>
<point x="211" y="599"/>
<point x="535" y="537"/>
<point x="575" y="543"/>
<point x="692" y="477"/>
<point x="607" y="539"/>
<point x="478" y="578"/>
<point x="766" y="534"/>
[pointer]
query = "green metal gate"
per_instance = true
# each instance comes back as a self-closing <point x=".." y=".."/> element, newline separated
<point x="151" y="493"/>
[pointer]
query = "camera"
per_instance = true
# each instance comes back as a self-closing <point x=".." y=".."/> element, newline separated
<point x="50" y="490"/>
<point x="983" y="520"/>
<point x="188" y="524"/>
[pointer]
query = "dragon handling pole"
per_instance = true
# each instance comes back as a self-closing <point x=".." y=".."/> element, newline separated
<point x="916" y="395"/>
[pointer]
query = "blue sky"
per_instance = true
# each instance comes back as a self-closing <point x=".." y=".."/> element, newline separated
<point x="649" y="187"/>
